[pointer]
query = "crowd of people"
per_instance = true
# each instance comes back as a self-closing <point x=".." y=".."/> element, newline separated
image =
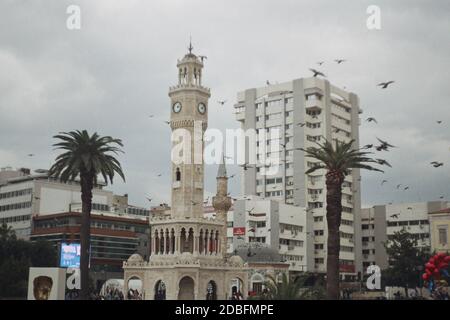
<point x="134" y="295"/>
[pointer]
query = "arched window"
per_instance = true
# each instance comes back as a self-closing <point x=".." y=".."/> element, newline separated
<point x="178" y="174"/>
<point x="160" y="290"/>
<point x="211" y="291"/>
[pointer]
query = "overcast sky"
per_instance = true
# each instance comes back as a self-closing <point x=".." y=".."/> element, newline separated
<point x="115" y="71"/>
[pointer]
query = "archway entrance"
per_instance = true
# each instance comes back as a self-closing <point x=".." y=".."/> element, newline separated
<point x="186" y="289"/>
<point x="236" y="289"/>
<point x="134" y="289"/>
<point x="211" y="291"/>
<point x="160" y="290"/>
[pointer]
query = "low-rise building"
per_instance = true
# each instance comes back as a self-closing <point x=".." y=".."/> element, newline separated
<point x="381" y="222"/>
<point x="439" y="230"/>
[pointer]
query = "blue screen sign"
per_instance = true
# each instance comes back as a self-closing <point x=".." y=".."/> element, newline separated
<point x="70" y="255"/>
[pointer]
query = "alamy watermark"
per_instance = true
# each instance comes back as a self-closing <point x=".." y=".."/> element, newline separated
<point x="249" y="148"/>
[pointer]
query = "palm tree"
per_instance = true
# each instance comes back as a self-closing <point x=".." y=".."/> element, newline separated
<point x="285" y="289"/>
<point x="338" y="161"/>
<point x="86" y="157"/>
<point x="282" y="290"/>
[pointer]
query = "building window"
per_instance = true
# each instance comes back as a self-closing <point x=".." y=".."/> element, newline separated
<point x="178" y="174"/>
<point x="443" y="239"/>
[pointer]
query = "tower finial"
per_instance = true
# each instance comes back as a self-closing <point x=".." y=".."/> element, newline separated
<point x="190" y="45"/>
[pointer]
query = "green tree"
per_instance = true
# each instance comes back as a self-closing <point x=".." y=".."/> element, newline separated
<point x="337" y="160"/>
<point x="406" y="261"/>
<point x="86" y="156"/>
<point x="16" y="257"/>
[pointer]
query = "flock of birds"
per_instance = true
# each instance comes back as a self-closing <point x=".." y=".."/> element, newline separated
<point x="380" y="146"/>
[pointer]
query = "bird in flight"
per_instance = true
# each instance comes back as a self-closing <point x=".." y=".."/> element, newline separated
<point x="439" y="121"/>
<point x="384" y="181"/>
<point x="301" y="124"/>
<point x="371" y="119"/>
<point x="437" y="164"/>
<point x="268" y="82"/>
<point x="283" y="145"/>
<point x="222" y="102"/>
<point x="149" y="199"/>
<point x="384" y="85"/>
<point x="409" y="208"/>
<point x="320" y="63"/>
<point x="441" y="197"/>
<point x="395" y="216"/>
<point x="159" y="175"/>
<point x="194" y="203"/>
<point x="151" y="116"/>
<point x="245" y="166"/>
<point x="406" y="188"/>
<point x="250" y="211"/>
<point x="384" y="162"/>
<point x="368" y="146"/>
<point x="203" y="57"/>
<point x="339" y="61"/>
<point x="232" y="176"/>
<point x="31" y="154"/>
<point x="168" y="122"/>
<point x="384" y="145"/>
<point x="398" y="186"/>
<point x="317" y="73"/>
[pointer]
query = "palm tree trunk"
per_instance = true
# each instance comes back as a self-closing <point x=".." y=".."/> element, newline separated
<point x="334" y="211"/>
<point x="85" y="233"/>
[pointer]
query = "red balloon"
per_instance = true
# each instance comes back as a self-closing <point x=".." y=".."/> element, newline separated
<point x="428" y="271"/>
<point x="441" y="254"/>
<point x="425" y="276"/>
<point x="429" y="266"/>
<point x="447" y="259"/>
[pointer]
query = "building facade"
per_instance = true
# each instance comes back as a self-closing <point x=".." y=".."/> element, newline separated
<point x="304" y="111"/>
<point x="380" y="223"/>
<point x="188" y="258"/>
<point x="439" y="230"/>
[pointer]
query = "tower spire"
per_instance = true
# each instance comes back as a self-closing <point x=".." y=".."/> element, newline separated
<point x="190" y="45"/>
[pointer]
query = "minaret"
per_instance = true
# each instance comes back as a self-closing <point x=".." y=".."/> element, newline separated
<point x="222" y="203"/>
<point x="189" y="120"/>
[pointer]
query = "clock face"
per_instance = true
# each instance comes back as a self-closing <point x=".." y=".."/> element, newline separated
<point x="201" y="108"/>
<point x="176" y="107"/>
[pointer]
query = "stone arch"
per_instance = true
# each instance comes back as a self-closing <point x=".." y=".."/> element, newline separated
<point x="183" y="240"/>
<point x="161" y="241"/>
<point x="172" y="241"/>
<point x="236" y="287"/>
<point x="190" y="240"/>
<point x="160" y="290"/>
<point x="201" y="241"/>
<point x="186" y="288"/>
<point x="177" y="174"/>
<point x="211" y="290"/>
<point x="167" y="241"/>
<point x="134" y="291"/>
<point x="257" y="283"/>
<point x="156" y="241"/>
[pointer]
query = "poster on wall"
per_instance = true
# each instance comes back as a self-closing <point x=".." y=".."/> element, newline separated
<point x="239" y="231"/>
<point x="46" y="284"/>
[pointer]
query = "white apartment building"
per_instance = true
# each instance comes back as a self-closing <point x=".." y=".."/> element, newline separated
<point x="24" y="195"/>
<point x="379" y="223"/>
<point x="256" y="222"/>
<point x="304" y="110"/>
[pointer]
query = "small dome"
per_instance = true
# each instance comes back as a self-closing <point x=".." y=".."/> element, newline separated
<point x="236" y="260"/>
<point x="135" y="257"/>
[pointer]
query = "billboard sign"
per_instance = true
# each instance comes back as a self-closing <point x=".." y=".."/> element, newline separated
<point x="239" y="231"/>
<point x="70" y="255"/>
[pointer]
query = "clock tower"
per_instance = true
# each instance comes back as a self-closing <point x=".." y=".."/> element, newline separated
<point x="188" y="259"/>
<point x="188" y="120"/>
